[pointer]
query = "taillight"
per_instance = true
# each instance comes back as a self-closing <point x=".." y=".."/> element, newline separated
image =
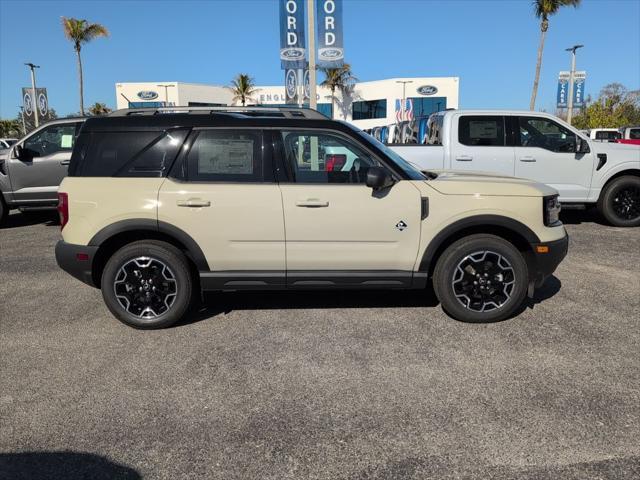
<point x="335" y="162"/>
<point x="63" y="209"/>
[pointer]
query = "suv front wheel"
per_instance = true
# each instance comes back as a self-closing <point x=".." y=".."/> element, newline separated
<point x="147" y="284"/>
<point x="481" y="278"/>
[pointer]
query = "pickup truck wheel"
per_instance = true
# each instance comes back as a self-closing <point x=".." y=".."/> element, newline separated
<point x="147" y="284"/>
<point x="619" y="203"/>
<point x="4" y="211"/>
<point x="481" y="278"/>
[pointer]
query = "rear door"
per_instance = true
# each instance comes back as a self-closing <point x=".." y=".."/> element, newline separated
<point x="225" y="197"/>
<point x="546" y="152"/>
<point x="338" y="230"/>
<point x="479" y="143"/>
<point x="46" y="153"/>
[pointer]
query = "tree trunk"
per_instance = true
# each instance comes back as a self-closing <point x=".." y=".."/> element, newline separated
<point x="534" y="93"/>
<point x="81" y="82"/>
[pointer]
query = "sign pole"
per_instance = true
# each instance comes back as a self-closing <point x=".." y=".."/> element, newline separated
<point x="24" y="126"/>
<point x="572" y="75"/>
<point x="313" y="102"/>
<point x="34" y="99"/>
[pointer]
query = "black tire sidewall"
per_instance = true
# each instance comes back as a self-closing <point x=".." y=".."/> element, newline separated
<point x="448" y="261"/>
<point x="164" y="252"/>
<point x="606" y="201"/>
<point x="4" y="211"/>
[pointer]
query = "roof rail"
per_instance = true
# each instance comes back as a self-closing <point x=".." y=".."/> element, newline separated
<point x="254" y="111"/>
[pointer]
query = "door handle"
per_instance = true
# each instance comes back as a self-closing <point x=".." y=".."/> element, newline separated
<point x="65" y="162"/>
<point x="464" y="158"/>
<point x="193" y="202"/>
<point x="312" y="203"/>
<point x="527" y="159"/>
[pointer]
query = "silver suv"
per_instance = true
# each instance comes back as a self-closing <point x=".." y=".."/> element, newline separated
<point x="32" y="169"/>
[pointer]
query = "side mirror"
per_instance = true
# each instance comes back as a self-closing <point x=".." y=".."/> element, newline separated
<point x="18" y="151"/>
<point x="582" y="146"/>
<point x="377" y="178"/>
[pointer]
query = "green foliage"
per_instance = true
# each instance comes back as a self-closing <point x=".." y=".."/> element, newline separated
<point x="243" y="88"/>
<point x="10" y="129"/>
<point x="341" y="79"/>
<point x="543" y="9"/>
<point x="81" y="31"/>
<point x="615" y="107"/>
<point x="98" y="109"/>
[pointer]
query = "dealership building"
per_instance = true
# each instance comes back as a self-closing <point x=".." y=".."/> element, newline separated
<point x="366" y="104"/>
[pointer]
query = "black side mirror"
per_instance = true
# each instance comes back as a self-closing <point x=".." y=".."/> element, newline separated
<point x="18" y="151"/>
<point x="377" y="178"/>
<point x="582" y="145"/>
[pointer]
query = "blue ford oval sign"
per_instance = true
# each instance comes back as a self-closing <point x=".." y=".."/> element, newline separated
<point x="427" y="90"/>
<point x="147" y="95"/>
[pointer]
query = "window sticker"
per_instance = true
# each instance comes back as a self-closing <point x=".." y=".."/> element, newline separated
<point x="225" y="156"/>
<point x="66" y="141"/>
<point x="483" y="129"/>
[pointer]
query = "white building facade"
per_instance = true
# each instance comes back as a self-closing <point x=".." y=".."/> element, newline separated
<point x="366" y="104"/>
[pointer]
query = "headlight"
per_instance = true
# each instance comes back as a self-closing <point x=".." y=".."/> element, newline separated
<point x="551" y="210"/>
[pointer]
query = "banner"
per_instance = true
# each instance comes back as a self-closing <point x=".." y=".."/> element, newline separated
<point x="292" y="39"/>
<point x="291" y="86"/>
<point x="41" y="102"/>
<point x="578" y="89"/>
<point x="330" y="39"/>
<point x="563" y="90"/>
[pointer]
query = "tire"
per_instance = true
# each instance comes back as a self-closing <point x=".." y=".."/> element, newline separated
<point x="619" y="203"/>
<point x="133" y="298"/>
<point x="4" y="211"/>
<point x="495" y="260"/>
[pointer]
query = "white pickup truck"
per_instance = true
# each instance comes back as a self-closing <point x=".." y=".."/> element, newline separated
<point x="536" y="146"/>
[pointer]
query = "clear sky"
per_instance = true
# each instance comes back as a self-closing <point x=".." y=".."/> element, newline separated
<point x="490" y="45"/>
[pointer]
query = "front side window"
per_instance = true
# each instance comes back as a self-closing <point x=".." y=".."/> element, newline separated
<point x="547" y="134"/>
<point x="323" y="157"/>
<point x="481" y="131"/>
<point x="50" y="140"/>
<point x="226" y="156"/>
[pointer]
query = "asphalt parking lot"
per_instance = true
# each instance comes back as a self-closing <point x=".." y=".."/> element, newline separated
<point x="322" y="385"/>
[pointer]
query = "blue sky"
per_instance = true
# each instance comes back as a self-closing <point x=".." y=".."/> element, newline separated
<point x="490" y="45"/>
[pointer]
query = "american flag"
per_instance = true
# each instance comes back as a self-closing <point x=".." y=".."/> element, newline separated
<point x="398" y="110"/>
<point x="405" y="113"/>
<point x="408" y="108"/>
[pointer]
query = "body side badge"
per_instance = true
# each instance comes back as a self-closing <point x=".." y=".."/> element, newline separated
<point x="401" y="225"/>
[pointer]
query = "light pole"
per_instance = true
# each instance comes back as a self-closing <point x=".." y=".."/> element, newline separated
<point x="571" y="80"/>
<point x="34" y="100"/>
<point x="404" y="94"/>
<point x="311" y="41"/>
<point x="24" y="126"/>
<point x="166" y="92"/>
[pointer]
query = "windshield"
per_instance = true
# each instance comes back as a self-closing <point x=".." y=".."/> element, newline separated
<point x="412" y="172"/>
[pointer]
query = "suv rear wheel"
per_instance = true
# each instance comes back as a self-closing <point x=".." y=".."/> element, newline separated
<point x="481" y="278"/>
<point x="619" y="203"/>
<point x="4" y="211"/>
<point x="147" y="284"/>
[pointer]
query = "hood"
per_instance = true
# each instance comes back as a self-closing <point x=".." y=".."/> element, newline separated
<point x="455" y="182"/>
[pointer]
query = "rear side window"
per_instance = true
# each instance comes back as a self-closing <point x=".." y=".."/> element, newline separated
<point x="634" y="134"/>
<point x="607" y="135"/>
<point x="125" y="154"/>
<point x="481" y="131"/>
<point x="223" y="155"/>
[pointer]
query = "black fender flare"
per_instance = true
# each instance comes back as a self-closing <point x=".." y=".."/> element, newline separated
<point x="475" y="221"/>
<point x="141" y="224"/>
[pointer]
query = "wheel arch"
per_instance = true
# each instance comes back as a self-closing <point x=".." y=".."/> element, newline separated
<point x="507" y="228"/>
<point x="634" y="172"/>
<point x="115" y="236"/>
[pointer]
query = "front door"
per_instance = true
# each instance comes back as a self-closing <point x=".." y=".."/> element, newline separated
<point x="229" y="203"/>
<point x="338" y="230"/>
<point x="35" y="176"/>
<point x="546" y="152"/>
<point x="479" y="143"/>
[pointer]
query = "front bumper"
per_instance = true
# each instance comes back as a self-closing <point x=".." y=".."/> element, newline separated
<point x="76" y="260"/>
<point x="546" y="263"/>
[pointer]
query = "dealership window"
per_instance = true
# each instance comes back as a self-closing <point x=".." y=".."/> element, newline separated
<point x="370" y="109"/>
<point x="481" y="131"/>
<point x="226" y="156"/>
<point x="204" y="104"/>
<point x="146" y="104"/>
<point x="425" y="106"/>
<point x="325" y="109"/>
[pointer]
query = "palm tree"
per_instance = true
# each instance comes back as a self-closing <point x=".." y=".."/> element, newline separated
<point x="79" y="32"/>
<point x="339" y="78"/>
<point x="243" y="88"/>
<point x="543" y="9"/>
<point x="98" y="109"/>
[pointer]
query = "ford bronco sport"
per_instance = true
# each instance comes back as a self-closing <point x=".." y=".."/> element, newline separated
<point x="161" y="204"/>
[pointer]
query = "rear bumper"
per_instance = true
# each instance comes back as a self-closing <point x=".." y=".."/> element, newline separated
<point x="546" y="263"/>
<point x="76" y="260"/>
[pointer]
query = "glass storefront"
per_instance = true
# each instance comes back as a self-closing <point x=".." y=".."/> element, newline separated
<point x="369" y="109"/>
<point x="425" y="106"/>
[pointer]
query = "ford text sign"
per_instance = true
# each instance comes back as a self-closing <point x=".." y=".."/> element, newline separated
<point x="147" y="95"/>
<point x="427" y="90"/>
<point x="330" y="42"/>
<point x="292" y="41"/>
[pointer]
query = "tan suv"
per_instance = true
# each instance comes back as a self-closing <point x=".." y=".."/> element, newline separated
<point x="160" y="205"/>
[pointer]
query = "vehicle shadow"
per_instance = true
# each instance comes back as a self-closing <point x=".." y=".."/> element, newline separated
<point x="17" y="219"/>
<point x="577" y="216"/>
<point x="63" y="464"/>
<point x="222" y="303"/>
